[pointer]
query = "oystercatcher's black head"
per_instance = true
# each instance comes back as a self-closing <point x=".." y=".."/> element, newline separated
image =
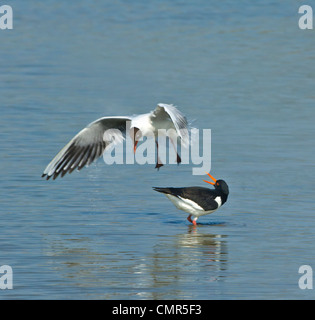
<point x="220" y="185"/>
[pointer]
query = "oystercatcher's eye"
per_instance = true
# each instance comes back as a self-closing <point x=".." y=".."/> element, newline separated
<point x="217" y="183"/>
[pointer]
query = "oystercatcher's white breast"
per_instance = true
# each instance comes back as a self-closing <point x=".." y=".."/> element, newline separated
<point x="191" y="206"/>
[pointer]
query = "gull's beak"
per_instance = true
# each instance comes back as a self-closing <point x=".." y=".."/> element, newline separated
<point x="215" y="180"/>
<point x="135" y="142"/>
<point x="135" y="146"/>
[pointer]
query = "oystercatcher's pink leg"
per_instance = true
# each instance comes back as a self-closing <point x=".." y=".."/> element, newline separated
<point x="194" y="222"/>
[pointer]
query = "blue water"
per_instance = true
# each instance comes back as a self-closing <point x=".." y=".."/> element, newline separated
<point x="243" y="69"/>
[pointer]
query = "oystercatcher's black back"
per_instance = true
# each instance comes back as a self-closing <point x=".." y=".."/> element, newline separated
<point x="198" y="201"/>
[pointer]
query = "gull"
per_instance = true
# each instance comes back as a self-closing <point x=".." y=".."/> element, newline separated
<point x="91" y="142"/>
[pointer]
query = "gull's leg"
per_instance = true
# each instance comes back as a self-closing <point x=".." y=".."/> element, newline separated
<point x="158" y="161"/>
<point x="178" y="159"/>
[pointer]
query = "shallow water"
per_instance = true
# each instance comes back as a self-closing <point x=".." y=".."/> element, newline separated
<point x="244" y="70"/>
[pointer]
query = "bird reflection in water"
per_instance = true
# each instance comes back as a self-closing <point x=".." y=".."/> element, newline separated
<point x="183" y="260"/>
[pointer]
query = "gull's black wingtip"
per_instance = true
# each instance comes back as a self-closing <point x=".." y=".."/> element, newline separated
<point x="46" y="176"/>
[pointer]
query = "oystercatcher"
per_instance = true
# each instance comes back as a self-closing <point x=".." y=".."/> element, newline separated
<point x="90" y="143"/>
<point x="198" y="201"/>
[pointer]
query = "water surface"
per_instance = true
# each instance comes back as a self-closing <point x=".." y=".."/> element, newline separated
<point x="244" y="70"/>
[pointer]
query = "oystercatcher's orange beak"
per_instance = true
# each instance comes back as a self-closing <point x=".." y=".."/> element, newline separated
<point x="135" y="146"/>
<point x="215" y="180"/>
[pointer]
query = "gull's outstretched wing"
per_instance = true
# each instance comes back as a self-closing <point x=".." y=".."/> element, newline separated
<point x="88" y="145"/>
<point x="167" y="112"/>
